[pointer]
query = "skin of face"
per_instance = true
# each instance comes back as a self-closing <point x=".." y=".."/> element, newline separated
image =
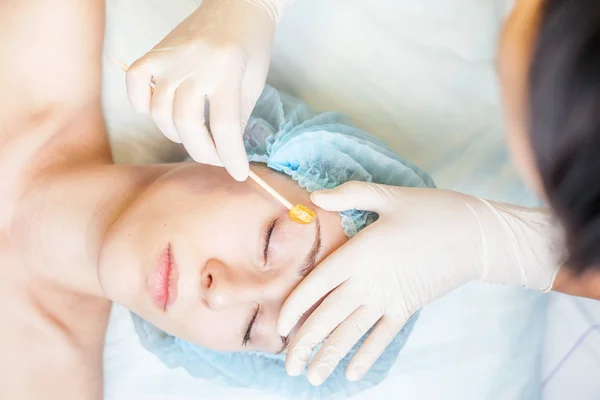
<point x="212" y="230"/>
<point x="514" y="57"/>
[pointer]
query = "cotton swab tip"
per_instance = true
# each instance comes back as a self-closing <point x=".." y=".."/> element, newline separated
<point x="302" y="214"/>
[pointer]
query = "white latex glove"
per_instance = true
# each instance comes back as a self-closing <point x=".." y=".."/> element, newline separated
<point x="220" y="53"/>
<point x="426" y="243"/>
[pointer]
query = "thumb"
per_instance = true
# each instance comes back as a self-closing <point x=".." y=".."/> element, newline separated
<point x="139" y="82"/>
<point x="354" y="195"/>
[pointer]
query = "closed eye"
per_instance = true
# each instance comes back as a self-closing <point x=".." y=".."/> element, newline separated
<point x="248" y="334"/>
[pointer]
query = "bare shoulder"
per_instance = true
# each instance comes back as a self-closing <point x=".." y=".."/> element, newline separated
<point x="51" y="341"/>
<point x="48" y="356"/>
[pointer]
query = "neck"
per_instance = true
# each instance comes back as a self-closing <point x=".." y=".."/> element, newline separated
<point x="72" y="214"/>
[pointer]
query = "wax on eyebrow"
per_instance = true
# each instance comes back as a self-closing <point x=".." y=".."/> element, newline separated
<point x="302" y="214"/>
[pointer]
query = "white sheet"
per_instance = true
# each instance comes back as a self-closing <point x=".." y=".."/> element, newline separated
<point x="419" y="74"/>
<point x="572" y="349"/>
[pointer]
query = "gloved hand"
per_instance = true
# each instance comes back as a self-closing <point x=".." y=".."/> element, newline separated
<point x="220" y="53"/>
<point x="425" y="243"/>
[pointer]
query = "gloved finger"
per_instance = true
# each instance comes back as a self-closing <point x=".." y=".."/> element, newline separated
<point x="188" y="117"/>
<point x="353" y="195"/>
<point x="373" y="347"/>
<point x="335" y="308"/>
<point x="226" y="128"/>
<point x="253" y="85"/>
<point x="340" y="343"/>
<point x="328" y="275"/>
<point x="138" y="78"/>
<point x="161" y="110"/>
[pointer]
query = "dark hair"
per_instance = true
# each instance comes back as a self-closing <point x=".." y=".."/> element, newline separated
<point x="564" y="89"/>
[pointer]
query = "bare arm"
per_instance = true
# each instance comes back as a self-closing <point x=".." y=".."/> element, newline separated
<point x="51" y="53"/>
<point x="50" y="79"/>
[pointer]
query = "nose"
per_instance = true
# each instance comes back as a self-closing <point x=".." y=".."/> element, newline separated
<point x="224" y="287"/>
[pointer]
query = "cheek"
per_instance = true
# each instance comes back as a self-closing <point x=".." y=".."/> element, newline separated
<point x="219" y="331"/>
<point x="126" y="251"/>
<point x="524" y="159"/>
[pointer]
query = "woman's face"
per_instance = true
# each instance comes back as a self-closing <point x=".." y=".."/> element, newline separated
<point x="514" y="58"/>
<point x="211" y="260"/>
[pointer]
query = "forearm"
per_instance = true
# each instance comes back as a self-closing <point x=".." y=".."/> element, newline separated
<point x="516" y="245"/>
<point x="585" y="285"/>
<point x="526" y="248"/>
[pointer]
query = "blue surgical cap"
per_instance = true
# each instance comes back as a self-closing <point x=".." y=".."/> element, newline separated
<point x="319" y="151"/>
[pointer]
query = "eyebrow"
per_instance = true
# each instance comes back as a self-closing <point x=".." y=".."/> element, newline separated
<point x="310" y="261"/>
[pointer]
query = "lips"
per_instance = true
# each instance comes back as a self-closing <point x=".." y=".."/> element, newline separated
<point x="162" y="283"/>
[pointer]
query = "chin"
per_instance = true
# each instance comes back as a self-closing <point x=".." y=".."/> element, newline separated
<point x="117" y="273"/>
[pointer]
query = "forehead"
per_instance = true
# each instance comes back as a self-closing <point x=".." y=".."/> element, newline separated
<point x="200" y="178"/>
